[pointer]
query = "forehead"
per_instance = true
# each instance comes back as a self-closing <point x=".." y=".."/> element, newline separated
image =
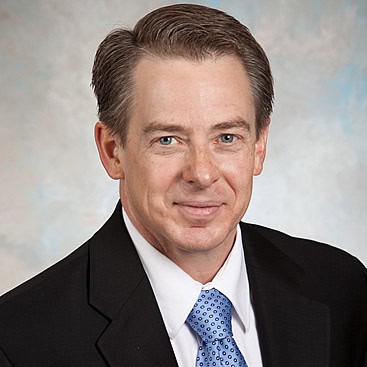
<point x="177" y="88"/>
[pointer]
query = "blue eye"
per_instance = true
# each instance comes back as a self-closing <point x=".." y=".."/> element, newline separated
<point x="227" y="138"/>
<point x="167" y="140"/>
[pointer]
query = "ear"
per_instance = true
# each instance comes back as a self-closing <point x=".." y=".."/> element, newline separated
<point x="260" y="150"/>
<point x="109" y="149"/>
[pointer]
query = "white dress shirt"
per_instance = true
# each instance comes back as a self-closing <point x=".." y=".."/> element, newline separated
<point x="176" y="293"/>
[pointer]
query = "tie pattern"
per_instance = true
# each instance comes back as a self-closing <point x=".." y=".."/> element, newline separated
<point x="211" y="319"/>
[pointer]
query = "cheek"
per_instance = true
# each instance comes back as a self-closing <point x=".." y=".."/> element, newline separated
<point x="238" y="175"/>
<point x="239" y="167"/>
<point x="161" y="174"/>
<point x="152" y="178"/>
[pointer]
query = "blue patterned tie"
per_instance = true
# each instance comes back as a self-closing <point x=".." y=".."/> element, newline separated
<point x="211" y="319"/>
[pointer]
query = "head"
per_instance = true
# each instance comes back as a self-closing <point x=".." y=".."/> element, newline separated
<point x="187" y="31"/>
<point x="184" y="102"/>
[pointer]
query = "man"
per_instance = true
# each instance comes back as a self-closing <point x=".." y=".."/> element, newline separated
<point x="184" y="105"/>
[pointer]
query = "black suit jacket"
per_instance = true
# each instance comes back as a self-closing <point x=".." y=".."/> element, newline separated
<point x="96" y="307"/>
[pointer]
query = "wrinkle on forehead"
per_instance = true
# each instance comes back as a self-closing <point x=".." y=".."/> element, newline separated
<point x="176" y="94"/>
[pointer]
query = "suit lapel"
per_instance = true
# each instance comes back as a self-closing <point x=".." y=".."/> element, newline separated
<point x="120" y="290"/>
<point x="293" y="329"/>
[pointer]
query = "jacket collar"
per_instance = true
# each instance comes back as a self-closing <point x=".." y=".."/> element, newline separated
<point x="120" y="290"/>
<point x="293" y="329"/>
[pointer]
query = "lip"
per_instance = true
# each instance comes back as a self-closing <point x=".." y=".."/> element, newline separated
<point x="199" y="209"/>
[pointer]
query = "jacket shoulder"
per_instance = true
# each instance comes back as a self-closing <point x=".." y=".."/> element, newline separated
<point x="302" y="249"/>
<point x="46" y="282"/>
<point x="320" y="261"/>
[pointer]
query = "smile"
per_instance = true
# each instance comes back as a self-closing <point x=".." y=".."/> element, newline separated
<point x="199" y="210"/>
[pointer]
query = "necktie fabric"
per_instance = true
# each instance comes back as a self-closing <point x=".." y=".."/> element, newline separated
<point x="211" y="319"/>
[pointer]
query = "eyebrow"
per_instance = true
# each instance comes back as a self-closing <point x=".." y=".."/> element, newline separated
<point x="238" y="122"/>
<point x="155" y="126"/>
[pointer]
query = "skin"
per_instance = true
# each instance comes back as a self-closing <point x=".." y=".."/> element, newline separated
<point x="186" y="169"/>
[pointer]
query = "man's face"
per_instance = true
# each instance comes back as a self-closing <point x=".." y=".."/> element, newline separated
<point x="190" y="154"/>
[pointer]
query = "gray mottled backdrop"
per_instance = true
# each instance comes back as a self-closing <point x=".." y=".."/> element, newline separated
<point x="54" y="192"/>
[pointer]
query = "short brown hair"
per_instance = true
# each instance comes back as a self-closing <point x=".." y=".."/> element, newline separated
<point x="194" y="32"/>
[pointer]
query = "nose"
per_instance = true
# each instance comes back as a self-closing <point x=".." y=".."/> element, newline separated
<point x="201" y="169"/>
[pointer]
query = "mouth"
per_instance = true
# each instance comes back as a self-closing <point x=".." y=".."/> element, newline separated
<point x="204" y="210"/>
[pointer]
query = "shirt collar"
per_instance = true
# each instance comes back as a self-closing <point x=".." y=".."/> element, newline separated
<point x="232" y="281"/>
<point x="176" y="292"/>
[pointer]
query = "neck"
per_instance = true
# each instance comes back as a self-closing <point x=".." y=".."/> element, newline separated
<point x="204" y="265"/>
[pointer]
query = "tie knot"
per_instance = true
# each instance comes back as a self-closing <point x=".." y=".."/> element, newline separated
<point x="211" y="316"/>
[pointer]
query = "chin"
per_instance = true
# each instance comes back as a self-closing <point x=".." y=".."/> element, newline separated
<point x="201" y="239"/>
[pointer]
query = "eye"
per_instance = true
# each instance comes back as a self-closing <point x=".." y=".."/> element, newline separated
<point x="167" y="140"/>
<point x="227" y="138"/>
